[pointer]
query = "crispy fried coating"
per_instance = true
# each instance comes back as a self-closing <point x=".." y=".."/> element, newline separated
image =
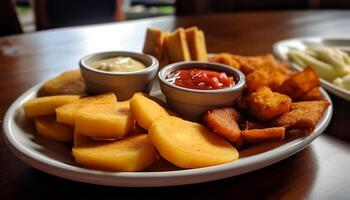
<point x="226" y="59"/>
<point x="67" y="83"/>
<point x="224" y="121"/>
<point x="300" y="83"/>
<point x="256" y="80"/>
<point x="303" y="115"/>
<point x="264" y="135"/>
<point x="265" y="105"/>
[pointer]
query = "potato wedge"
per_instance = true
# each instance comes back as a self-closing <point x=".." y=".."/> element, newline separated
<point x="102" y="121"/>
<point x="189" y="145"/>
<point x="134" y="153"/>
<point x="47" y="127"/>
<point x="67" y="83"/>
<point x="145" y="110"/>
<point x="266" y="105"/>
<point x="264" y="135"/>
<point x="66" y="114"/>
<point x="46" y="105"/>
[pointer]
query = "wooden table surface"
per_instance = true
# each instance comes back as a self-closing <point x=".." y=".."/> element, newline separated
<point x="321" y="171"/>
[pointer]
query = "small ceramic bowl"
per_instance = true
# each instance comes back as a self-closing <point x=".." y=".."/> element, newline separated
<point x="123" y="84"/>
<point x="192" y="103"/>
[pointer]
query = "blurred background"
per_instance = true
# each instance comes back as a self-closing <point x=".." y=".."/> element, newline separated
<point x="21" y="16"/>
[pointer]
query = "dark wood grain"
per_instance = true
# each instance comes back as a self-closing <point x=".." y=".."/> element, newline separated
<point x="318" y="172"/>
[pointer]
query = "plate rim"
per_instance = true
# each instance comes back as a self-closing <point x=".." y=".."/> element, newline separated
<point x="153" y="179"/>
<point x="330" y="87"/>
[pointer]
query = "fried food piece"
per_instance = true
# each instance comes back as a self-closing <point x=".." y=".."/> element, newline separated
<point x="264" y="135"/>
<point x="177" y="47"/>
<point x="196" y="43"/>
<point x="300" y="83"/>
<point x="70" y="82"/>
<point x="153" y="44"/>
<point x="224" y="121"/>
<point x="313" y="94"/>
<point x="226" y="59"/>
<point x="265" y="105"/>
<point x="303" y="115"/>
<point x="256" y="80"/>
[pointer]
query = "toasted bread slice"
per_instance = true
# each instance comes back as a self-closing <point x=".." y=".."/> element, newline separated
<point x="264" y="135"/>
<point x="303" y="115"/>
<point x="196" y="43"/>
<point x="154" y="42"/>
<point x="177" y="48"/>
<point x="224" y="121"/>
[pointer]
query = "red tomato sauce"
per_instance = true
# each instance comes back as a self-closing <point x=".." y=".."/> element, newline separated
<point x="200" y="79"/>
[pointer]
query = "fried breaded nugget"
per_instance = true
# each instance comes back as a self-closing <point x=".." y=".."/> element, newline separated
<point x="313" y="94"/>
<point x="303" y="115"/>
<point x="265" y="105"/>
<point x="300" y="83"/>
<point x="153" y="44"/>
<point x="226" y="59"/>
<point x="196" y="43"/>
<point x="249" y="64"/>
<point x="67" y="83"/>
<point x="177" y="47"/>
<point x="224" y="121"/>
<point x="256" y="80"/>
<point x="264" y="135"/>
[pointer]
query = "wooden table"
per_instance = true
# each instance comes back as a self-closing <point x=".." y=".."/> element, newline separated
<point x="321" y="171"/>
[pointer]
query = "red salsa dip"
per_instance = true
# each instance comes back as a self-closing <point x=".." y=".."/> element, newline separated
<point x="200" y="79"/>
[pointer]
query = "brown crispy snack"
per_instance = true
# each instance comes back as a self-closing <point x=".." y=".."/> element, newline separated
<point x="226" y="59"/>
<point x="303" y="115"/>
<point x="265" y="105"/>
<point x="256" y="80"/>
<point x="224" y="121"/>
<point x="264" y="135"/>
<point x="313" y="94"/>
<point x="300" y="83"/>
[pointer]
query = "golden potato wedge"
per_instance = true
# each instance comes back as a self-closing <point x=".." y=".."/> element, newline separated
<point x="189" y="145"/>
<point x="196" y="43"/>
<point x="133" y="153"/>
<point x="70" y="82"/>
<point x="264" y="135"/>
<point x="103" y="121"/>
<point x="47" y="127"/>
<point x="46" y="105"/>
<point x="66" y="114"/>
<point x="177" y="47"/>
<point x="265" y="105"/>
<point x="145" y="110"/>
<point x="312" y="95"/>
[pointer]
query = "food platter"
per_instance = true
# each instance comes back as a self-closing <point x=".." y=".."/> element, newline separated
<point x="56" y="159"/>
<point x="281" y="49"/>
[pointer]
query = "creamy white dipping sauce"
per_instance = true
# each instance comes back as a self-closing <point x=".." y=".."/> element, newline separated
<point x="118" y="64"/>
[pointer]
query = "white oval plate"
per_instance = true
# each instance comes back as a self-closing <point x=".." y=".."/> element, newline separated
<point x="281" y="49"/>
<point x="55" y="159"/>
